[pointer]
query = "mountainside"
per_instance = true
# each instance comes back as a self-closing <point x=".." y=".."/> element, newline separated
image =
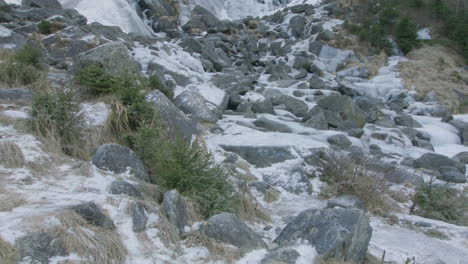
<point x="247" y="132"/>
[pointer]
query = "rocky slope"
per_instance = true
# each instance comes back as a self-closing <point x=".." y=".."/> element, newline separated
<point x="272" y="98"/>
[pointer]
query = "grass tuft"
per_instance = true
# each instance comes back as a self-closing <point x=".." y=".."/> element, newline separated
<point x="8" y="254"/>
<point x="11" y="155"/>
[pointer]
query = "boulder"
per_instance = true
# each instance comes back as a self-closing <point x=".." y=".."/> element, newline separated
<point x="229" y="229"/>
<point x="339" y="233"/>
<point x="261" y="156"/>
<point x="296" y="106"/>
<point x="340" y="141"/>
<point x="400" y="176"/>
<point x="139" y="217"/>
<point x="346" y="201"/>
<point x="271" y="125"/>
<point x="326" y="35"/>
<point x="10" y="39"/>
<point x="357" y="71"/>
<point x="356" y="132"/>
<point x="176" y="210"/>
<point x="433" y="161"/>
<point x="123" y="187"/>
<point x="342" y="107"/>
<point x="461" y="157"/>
<point x="93" y="215"/>
<point x="406" y="120"/>
<point x="39" y="247"/>
<point x="316" y="119"/>
<point x="316" y="82"/>
<point x="118" y="159"/>
<point x="281" y="256"/>
<point x="296" y="25"/>
<point x="16" y="96"/>
<point x="195" y="105"/>
<point x="417" y="142"/>
<point x="261" y="106"/>
<point x="54" y="4"/>
<point x="453" y="176"/>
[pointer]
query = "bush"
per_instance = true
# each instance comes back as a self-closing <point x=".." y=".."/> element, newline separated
<point x="30" y="54"/>
<point x="344" y="176"/>
<point x="56" y="117"/>
<point x="441" y="203"/>
<point x="95" y="77"/>
<point x="186" y="167"/>
<point x="22" y="67"/>
<point x="45" y="27"/>
<point x="156" y="84"/>
<point x="406" y="35"/>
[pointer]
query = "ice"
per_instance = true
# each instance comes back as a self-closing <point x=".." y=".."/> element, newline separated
<point x="424" y="34"/>
<point x="4" y="32"/>
<point x="94" y="114"/>
<point x="16" y="2"/>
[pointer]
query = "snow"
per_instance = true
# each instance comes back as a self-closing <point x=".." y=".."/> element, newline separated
<point x="424" y="33"/>
<point x="95" y="114"/>
<point x="4" y="32"/>
<point x="16" y="2"/>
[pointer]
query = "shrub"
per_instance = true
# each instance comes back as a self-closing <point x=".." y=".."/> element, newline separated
<point x="186" y="167"/>
<point x="95" y="77"/>
<point x="156" y="84"/>
<point x="441" y="203"/>
<point x="30" y="54"/>
<point x="406" y="35"/>
<point x="56" y="116"/>
<point x="22" y="67"/>
<point x="45" y="27"/>
<point x="344" y="176"/>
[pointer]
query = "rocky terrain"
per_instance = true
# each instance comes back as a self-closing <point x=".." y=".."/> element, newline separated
<point x="265" y="88"/>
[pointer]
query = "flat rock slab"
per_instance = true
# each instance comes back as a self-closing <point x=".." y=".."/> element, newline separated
<point x="262" y="156"/>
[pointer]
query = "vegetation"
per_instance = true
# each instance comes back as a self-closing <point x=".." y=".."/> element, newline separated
<point x="21" y="68"/>
<point x="406" y="35"/>
<point x="156" y="84"/>
<point x="45" y="27"/>
<point x="441" y="203"/>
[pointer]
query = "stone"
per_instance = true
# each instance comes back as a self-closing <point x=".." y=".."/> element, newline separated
<point x="281" y="256"/>
<point x="417" y="142"/>
<point x="17" y="96"/>
<point x="316" y="119"/>
<point x="316" y="82"/>
<point x="339" y="233"/>
<point x="271" y="125"/>
<point x="118" y="159"/>
<point x="301" y="62"/>
<point x="123" y="187"/>
<point x="39" y="247"/>
<point x="453" y="176"/>
<point x="176" y="210"/>
<point x="296" y="106"/>
<point x="346" y="201"/>
<point x="195" y="105"/>
<point x="262" y="106"/>
<point x="356" y="132"/>
<point x="326" y="35"/>
<point x="54" y="4"/>
<point x="139" y="217"/>
<point x="406" y="120"/>
<point x="433" y="161"/>
<point x="340" y="141"/>
<point x="400" y="176"/>
<point x="461" y="157"/>
<point x="357" y="71"/>
<point x="297" y="24"/>
<point x="93" y="215"/>
<point x="345" y="108"/>
<point x="229" y="229"/>
<point x="262" y="156"/>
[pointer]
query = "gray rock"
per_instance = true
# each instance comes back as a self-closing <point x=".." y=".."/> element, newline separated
<point x="346" y="201"/>
<point x="357" y="71"/>
<point x="281" y="256"/>
<point x="433" y="161"/>
<point x="340" y="141"/>
<point x="453" y="176"/>
<point x="11" y="39"/>
<point x="301" y="62"/>
<point x="39" y="247"/>
<point x="271" y="125"/>
<point x="297" y="24"/>
<point x="356" y="132"/>
<point x="326" y="35"/>
<point x="176" y="121"/>
<point x="262" y="106"/>
<point x="123" y="187"/>
<point x="16" y="96"/>
<point x="42" y="3"/>
<point x="229" y="229"/>
<point x="316" y="82"/>
<point x="400" y="176"/>
<point x="339" y="233"/>
<point x="316" y="119"/>
<point x="262" y="156"/>
<point x="417" y="142"/>
<point x="279" y="71"/>
<point x="461" y="157"/>
<point x="176" y="210"/>
<point x="158" y="69"/>
<point x="139" y="217"/>
<point x="118" y="159"/>
<point x="296" y="106"/>
<point x="197" y="106"/>
<point x="93" y="215"/>
<point x="406" y="120"/>
<point x="345" y="108"/>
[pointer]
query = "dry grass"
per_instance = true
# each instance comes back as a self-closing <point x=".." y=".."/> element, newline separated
<point x="437" y="69"/>
<point x="8" y="254"/>
<point x="10" y="200"/>
<point x="218" y="251"/>
<point x="98" y="245"/>
<point x="250" y="209"/>
<point x="11" y="155"/>
<point x="370" y="259"/>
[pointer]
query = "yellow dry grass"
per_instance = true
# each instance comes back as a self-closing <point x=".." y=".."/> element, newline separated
<point x="11" y="155"/>
<point x="8" y="254"/>
<point x="10" y="200"/>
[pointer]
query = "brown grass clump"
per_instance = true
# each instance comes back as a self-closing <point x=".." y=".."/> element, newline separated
<point x="370" y="259"/>
<point x="11" y="155"/>
<point x="96" y="244"/>
<point x="10" y="200"/>
<point x="8" y="254"/>
<point x="218" y="251"/>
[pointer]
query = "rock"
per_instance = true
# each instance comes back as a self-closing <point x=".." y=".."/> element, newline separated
<point x="176" y="210"/>
<point x="39" y="247"/>
<point x="339" y="233"/>
<point x="123" y="187"/>
<point x="281" y="256"/>
<point x="326" y="35"/>
<point x="93" y="215"/>
<point x="356" y="132"/>
<point x="301" y="62"/>
<point x="271" y="125"/>
<point x="346" y="201"/>
<point x="117" y="158"/>
<point x="433" y="161"/>
<point x="54" y="4"/>
<point x="279" y="71"/>
<point x="229" y="229"/>
<point x="297" y="24"/>
<point x="10" y="39"/>
<point x="139" y="217"/>
<point x="296" y="106"/>
<point x="334" y="59"/>
<point x="406" y="120"/>
<point x="452" y="175"/>
<point x="461" y="157"/>
<point x="16" y="96"/>
<point x="197" y="106"/>
<point x="113" y="56"/>
<point x="176" y="121"/>
<point x="417" y="142"/>
<point x="340" y="141"/>
<point x="349" y="89"/>
<point x="316" y="82"/>
<point x="346" y="109"/>
<point x="262" y="106"/>
<point x="400" y="176"/>
<point x="262" y="156"/>
<point x="316" y="119"/>
<point x="357" y="71"/>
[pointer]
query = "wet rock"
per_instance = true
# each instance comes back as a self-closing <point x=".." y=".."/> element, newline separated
<point x="176" y="210"/>
<point x="406" y="120"/>
<point x="271" y="125"/>
<point x="433" y="161"/>
<point x="39" y="247"/>
<point x="326" y="35"/>
<point x="417" y="142"/>
<point x="281" y="256"/>
<point x="340" y="141"/>
<point x="261" y="156"/>
<point x="16" y="96"/>
<point x="356" y="132"/>
<point x="229" y="229"/>
<point x="357" y="71"/>
<point x="296" y="106"/>
<point x="123" y="187"/>
<point x="93" y="215"/>
<point x="119" y="159"/>
<point x="451" y="174"/>
<point x="262" y="106"/>
<point x="339" y="233"/>
<point x="316" y="82"/>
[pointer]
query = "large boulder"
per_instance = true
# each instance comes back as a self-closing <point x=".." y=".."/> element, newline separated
<point x="296" y="25"/>
<point x="339" y="233"/>
<point x="262" y="156"/>
<point x="433" y="161"/>
<point x="195" y="105"/>
<point x="271" y="125"/>
<point x="176" y="210"/>
<point x="341" y="107"/>
<point x="39" y="247"/>
<point x="176" y="121"/>
<point x="316" y="119"/>
<point x="461" y="157"/>
<point x="42" y="3"/>
<point x="340" y="141"/>
<point x="201" y="20"/>
<point x="118" y="159"/>
<point x="296" y="106"/>
<point x="16" y="96"/>
<point x="400" y="176"/>
<point x="229" y="229"/>
<point x="406" y="120"/>
<point x="123" y="187"/>
<point x="10" y="39"/>
<point x="93" y="215"/>
<point x="139" y="217"/>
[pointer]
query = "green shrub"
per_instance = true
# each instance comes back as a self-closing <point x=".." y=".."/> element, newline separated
<point x="56" y="117"/>
<point x="441" y="203"/>
<point x="45" y="27"/>
<point x="30" y="54"/>
<point x="22" y="67"/>
<point x="186" y="167"/>
<point x="96" y="79"/>
<point x="156" y="84"/>
<point x="406" y="35"/>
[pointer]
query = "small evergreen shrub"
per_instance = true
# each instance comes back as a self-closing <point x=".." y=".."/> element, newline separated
<point x="156" y="84"/>
<point x="94" y="76"/>
<point x="45" y="27"/>
<point x="406" y="35"/>
<point x="29" y="54"/>
<point x="21" y="68"/>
